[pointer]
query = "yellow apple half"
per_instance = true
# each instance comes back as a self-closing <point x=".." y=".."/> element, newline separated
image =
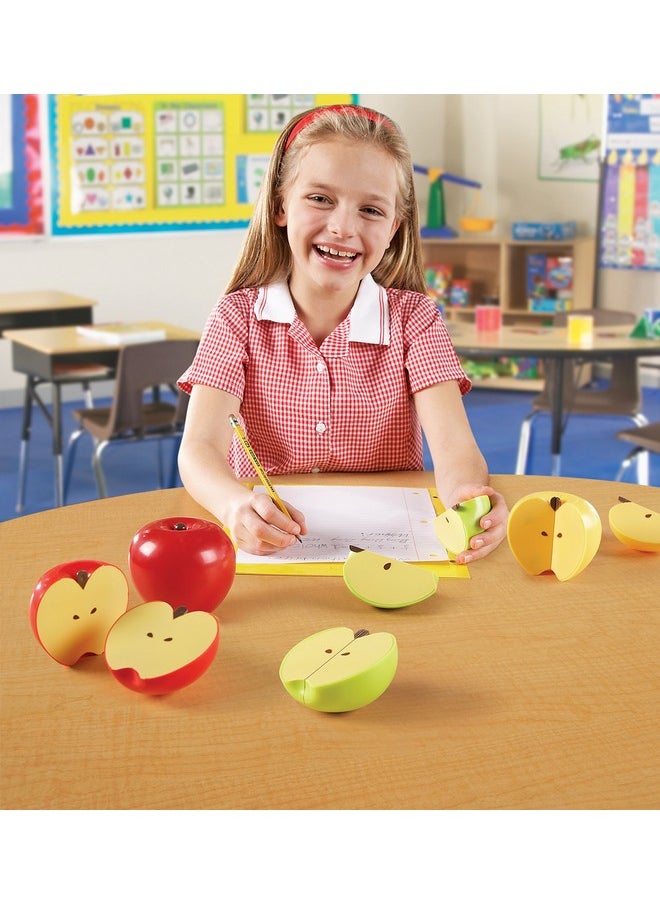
<point x="384" y="582"/>
<point x="337" y="670"/>
<point x="635" y="526"/>
<point x="456" y="526"/>
<point x="554" y="531"/>
<point x="156" y="649"/>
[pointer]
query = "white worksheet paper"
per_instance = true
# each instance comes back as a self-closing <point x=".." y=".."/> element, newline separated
<point x="392" y="521"/>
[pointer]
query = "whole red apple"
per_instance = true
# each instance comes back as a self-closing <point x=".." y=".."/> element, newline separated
<point x="184" y="561"/>
<point x="74" y="605"/>
<point x="154" y="648"/>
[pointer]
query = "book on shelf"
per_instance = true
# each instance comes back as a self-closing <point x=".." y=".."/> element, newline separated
<point x="122" y="333"/>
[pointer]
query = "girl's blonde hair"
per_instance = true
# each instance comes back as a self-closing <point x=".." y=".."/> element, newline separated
<point x="266" y="256"/>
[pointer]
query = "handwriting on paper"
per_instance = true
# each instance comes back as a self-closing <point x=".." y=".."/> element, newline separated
<point x="391" y="521"/>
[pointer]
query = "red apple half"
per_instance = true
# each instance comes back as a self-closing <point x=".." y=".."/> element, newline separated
<point x="156" y="649"/>
<point x="185" y="561"/>
<point x="74" y="605"/>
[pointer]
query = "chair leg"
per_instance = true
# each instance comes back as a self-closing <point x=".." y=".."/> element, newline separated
<point x="26" y="431"/>
<point x="161" y="469"/>
<point x="69" y="459"/>
<point x="643" y="467"/>
<point x="524" y="443"/>
<point x="87" y="394"/>
<point x="97" y="467"/>
<point x="174" y="471"/>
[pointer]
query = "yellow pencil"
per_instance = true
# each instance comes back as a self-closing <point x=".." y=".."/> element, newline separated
<point x="252" y="455"/>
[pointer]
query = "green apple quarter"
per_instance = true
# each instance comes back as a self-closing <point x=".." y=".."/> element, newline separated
<point x="456" y="526"/>
<point x="338" y="670"/>
<point x="385" y="582"/>
<point x="635" y="525"/>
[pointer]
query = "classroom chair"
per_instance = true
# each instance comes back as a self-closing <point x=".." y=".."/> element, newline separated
<point x="621" y="396"/>
<point x="137" y="413"/>
<point x="63" y="375"/>
<point x="644" y="439"/>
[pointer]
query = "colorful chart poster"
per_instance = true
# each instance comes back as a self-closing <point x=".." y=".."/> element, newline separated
<point x="21" y="187"/>
<point x="630" y="221"/>
<point x="147" y="162"/>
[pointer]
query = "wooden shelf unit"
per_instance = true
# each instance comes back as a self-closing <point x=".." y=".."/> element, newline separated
<point x="498" y="267"/>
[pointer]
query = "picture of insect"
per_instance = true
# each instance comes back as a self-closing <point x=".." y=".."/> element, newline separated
<point x="581" y="150"/>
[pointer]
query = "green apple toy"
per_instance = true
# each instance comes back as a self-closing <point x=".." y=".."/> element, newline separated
<point x="337" y="670"/>
<point x="635" y="525"/>
<point x="456" y="526"/>
<point x="385" y="582"/>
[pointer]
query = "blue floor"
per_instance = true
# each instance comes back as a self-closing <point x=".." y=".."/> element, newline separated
<point x="590" y="449"/>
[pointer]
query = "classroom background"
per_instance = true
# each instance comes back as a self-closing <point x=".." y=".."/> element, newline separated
<point x="492" y="139"/>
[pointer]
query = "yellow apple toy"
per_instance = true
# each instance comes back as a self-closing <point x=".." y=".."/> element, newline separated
<point x="74" y="605"/>
<point x="336" y="670"/>
<point x="635" y="526"/>
<point x="156" y="649"/>
<point x="456" y="526"/>
<point x="557" y="532"/>
<point x="385" y="582"/>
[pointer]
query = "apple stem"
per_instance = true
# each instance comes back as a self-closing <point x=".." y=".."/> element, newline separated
<point x="180" y="610"/>
<point x="555" y="502"/>
<point x="82" y="577"/>
<point x="179" y="525"/>
<point x="361" y="633"/>
<point x="623" y="499"/>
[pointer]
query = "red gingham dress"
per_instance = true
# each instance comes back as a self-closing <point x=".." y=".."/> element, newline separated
<point x="343" y="406"/>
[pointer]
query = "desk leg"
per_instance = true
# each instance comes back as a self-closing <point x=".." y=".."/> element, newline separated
<point x="26" y="430"/>
<point x="557" y="415"/>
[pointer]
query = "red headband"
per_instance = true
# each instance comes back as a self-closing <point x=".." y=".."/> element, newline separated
<point x="344" y="109"/>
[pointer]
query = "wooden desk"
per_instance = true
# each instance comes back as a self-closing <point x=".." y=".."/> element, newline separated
<point x="550" y="342"/>
<point x="45" y="307"/>
<point x="42" y="353"/>
<point x="512" y="691"/>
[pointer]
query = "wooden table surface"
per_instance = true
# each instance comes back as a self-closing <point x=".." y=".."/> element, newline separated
<point x="512" y="691"/>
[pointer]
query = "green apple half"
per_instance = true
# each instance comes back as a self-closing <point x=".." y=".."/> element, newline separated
<point x="554" y="531"/>
<point x="384" y="582"/>
<point x="635" y="526"/>
<point x="456" y="526"/>
<point x="337" y="670"/>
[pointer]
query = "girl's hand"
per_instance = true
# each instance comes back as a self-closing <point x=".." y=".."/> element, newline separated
<point x="259" y="527"/>
<point x="494" y="522"/>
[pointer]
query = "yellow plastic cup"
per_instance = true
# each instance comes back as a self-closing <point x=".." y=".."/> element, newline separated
<point x="580" y="329"/>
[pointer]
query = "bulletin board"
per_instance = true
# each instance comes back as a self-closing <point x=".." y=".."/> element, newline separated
<point x="629" y="218"/>
<point x="21" y="187"/>
<point x="152" y="162"/>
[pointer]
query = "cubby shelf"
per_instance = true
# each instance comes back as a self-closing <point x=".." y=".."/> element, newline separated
<point x="498" y="267"/>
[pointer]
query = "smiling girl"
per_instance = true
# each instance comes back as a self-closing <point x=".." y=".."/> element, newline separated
<point x="325" y="341"/>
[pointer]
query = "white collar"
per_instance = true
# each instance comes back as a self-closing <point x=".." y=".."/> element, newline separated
<point x="370" y="314"/>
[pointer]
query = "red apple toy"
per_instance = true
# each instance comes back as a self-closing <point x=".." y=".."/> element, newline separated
<point x="154" y="648"/>
<point x="74" y="605"/>
<point x="187" y="562"/>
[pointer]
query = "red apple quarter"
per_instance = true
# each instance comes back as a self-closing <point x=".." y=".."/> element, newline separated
<point x="184" y="561"/>
<point x="74" y="605"/>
